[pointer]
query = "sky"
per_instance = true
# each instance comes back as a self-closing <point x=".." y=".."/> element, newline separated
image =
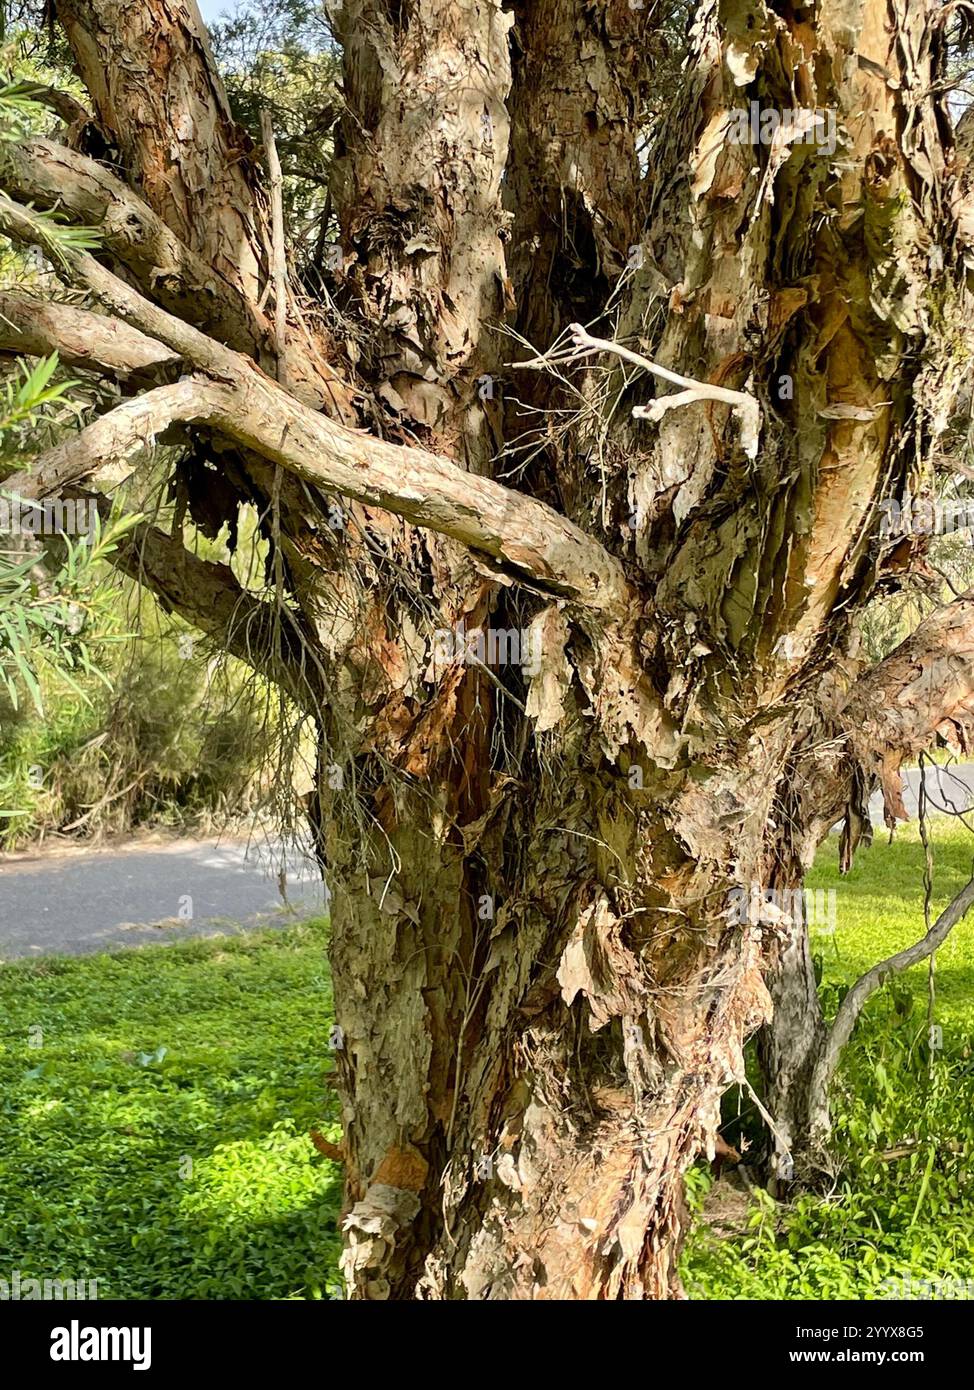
<point x="213" y="9"/>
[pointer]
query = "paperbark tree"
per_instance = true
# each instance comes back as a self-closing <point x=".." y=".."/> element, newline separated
<point x="533" y="842"/>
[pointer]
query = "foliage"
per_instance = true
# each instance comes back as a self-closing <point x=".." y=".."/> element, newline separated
<point x="45" y="608"/>
<point x="171" y="738"/>
<point x="147" y="731"/>
<point x="45" y="613"/>
<point x="283" y="59"/>
<point x="28" y="393"/>
<point x="20" y="113"/>
<point x="209" y="1051"/>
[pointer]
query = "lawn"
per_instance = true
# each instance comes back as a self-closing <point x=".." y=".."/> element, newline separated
<point x="157" y="1103"/>
<point x="156" y="1106"/>
<point x="884" y="1216"/>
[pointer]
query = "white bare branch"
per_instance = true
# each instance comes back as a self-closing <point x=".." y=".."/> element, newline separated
<point x="744" y="405"/>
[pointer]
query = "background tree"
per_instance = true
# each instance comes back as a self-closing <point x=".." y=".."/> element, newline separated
<point x="541" y="990"/>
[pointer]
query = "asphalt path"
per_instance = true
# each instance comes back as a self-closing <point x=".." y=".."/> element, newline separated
<point x="72" y="903"/>
<point x="950" y="791"/>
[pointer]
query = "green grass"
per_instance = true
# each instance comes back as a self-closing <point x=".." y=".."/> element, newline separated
<point x="879" y="910"/>
<point x="884" y="1216"/>
<point x="157" y="1140"/>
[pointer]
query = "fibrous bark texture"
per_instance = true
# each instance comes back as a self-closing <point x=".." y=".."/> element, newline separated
<point x="580" y="675"/>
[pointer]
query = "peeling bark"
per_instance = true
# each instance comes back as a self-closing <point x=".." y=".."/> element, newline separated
<point x="541" y="991"/>
<point x="154" y="84"/>
<point x="32" y="327"/>
<point x="47" y="175"/>
<point x="417" y="183"/>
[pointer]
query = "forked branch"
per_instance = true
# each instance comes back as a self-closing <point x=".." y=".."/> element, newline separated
<point x="526" y="538"/>
<point x="743" y="405"/>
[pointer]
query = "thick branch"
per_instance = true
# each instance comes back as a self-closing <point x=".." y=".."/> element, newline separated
<point x="155" y="85"/>
<point x="36" y="328"/>
<point x="525" y="537"/>
<point x="867" y="984"/>
<point x="23" y="225"/>
<point x="48" y="175"/>
<point x="63" y="104"/>
<point x="122" y="433"/>
<point x="925" y="684"/>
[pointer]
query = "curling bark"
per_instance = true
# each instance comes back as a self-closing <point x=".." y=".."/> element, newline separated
<point x="541" y="991"/>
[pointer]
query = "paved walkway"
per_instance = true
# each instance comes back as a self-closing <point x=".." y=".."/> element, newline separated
<point x="75" y="901"/>
<point x="69" y="902"/>
<point x="949" y="790"/>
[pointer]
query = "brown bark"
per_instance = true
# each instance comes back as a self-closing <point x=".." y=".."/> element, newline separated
<point x="541" y="991"/>
<point x="47" y="175"/>
<point x="154" y="84"/>
<point x="32" y="327"/>
<point x="417" y="182"/>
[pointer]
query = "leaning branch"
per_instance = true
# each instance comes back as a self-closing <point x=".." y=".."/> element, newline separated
<point x="526" y="538"/>
<point x="63" y="104"/>
<point x="32" y="327"/>
<point x="48" y="175"/>
<point x="122" y="433"/>
<point x="121" y="299"/>
<point x="867" y="984"/>
<point x="154" y="83"/>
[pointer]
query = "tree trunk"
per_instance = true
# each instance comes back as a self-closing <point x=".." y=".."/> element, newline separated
<point x="788" y="1048"/>
<point x="548" y="1110"/>
<point x="533" y="840"/>
<point x="526" y="1083"/>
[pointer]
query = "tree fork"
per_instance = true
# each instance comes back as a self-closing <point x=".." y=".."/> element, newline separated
<point x="540" y="991"/>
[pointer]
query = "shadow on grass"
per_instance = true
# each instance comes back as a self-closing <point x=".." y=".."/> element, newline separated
<point x="155" y="1111"/>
